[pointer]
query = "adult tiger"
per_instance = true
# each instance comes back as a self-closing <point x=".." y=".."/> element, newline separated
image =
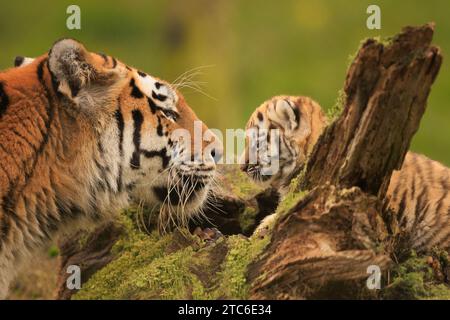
<point x="80" y="134"/>
<point x="419" y="193"/>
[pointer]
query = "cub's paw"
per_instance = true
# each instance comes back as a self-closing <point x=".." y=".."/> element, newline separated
<point x="264" y="227"/>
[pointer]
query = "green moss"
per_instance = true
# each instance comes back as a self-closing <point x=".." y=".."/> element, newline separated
<point x="151" y="266"/>
<point x="415" y="279"/>
<point x="165" y="277"/>
<point x="385" y="41"/>
<point x="294" y="195"/>
<point x="232" y="278"/>
<point x="247" y="218"/>
<point x="53" y="251"/>
<point x="241" y="185"/>
<point x="137" y="254"/>
<point x="442" y="256"/>
<point x="335" y="111"/>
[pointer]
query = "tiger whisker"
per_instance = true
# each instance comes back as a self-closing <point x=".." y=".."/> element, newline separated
<point x="186" y="73"/>
<point x="202" y="92"/>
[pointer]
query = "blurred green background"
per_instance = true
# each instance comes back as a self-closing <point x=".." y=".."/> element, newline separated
<point x="252" y="49"/>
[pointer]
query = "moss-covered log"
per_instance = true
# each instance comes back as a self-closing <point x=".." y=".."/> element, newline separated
<point x="131" y="243"/>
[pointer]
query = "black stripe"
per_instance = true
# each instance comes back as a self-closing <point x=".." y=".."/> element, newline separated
<point x="402" y="206"/>
<point x="4" y="100"/>
<point x="260" y="116"/>
<point x="159" y="128"/>
<point x="55" y="82"/>
<point x="159" y="97"/>
<point x="4" y="229"/>
<point x="135" y="92"/>
<point x="296" y="113"/>
<point x="114" y="62"/>
<point x="119" y="179"/>
<point x="105" y="58"/>
<point x="121" y="126"/>
<point x="395" y="192"/>
<point x="422" y="214"/>
<point x="103" y="182"/>
<point x="158" y="153"/>
<point x="21" y="136"/>
<point x="7" y="206"/>
<point x="103" y="169"/>
<point x="420" y="205"/>
<point x="74" y="89"/>
<point x="130" y="186"/>
<point x="142" y="74"/>
<point x="440" y="204"/>
<point x="413" y="186"/>
<point x="18" y="61"/>
<point x="138" y="119"/>
<point x="153" y="106"/>
<point x="162" y="193"/>
<point x="40" y="72"/>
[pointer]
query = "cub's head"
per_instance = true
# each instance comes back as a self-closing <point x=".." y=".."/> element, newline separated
<point x="149" y="143"/>
<point x="280" y="134"/>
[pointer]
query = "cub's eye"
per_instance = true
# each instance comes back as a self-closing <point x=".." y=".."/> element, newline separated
<point x="173" y="115"/>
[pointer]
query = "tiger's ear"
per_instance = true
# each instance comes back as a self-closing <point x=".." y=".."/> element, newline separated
<point x="78" y="74"/>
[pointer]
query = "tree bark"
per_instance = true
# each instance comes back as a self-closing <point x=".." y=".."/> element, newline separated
<point x="386" y="90"/>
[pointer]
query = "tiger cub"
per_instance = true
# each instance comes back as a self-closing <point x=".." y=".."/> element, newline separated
<point x="81" y="134"/>
<point x="419" y="193"/>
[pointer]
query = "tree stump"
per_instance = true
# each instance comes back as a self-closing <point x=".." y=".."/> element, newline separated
<point x="323" y="246"/>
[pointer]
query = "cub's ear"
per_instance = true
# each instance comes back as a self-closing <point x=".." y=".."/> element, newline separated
<point x="78" y="74"/>
<point x="21" y="61"/>
<point x="286" y="113"/>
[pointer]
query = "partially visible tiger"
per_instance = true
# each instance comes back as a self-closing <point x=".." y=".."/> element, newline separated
<point x="419" y="193"/>
<point x="80" y="134"/>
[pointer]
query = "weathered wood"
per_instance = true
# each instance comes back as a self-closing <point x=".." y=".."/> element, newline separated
<point x="331" y="236"/>
<point x="386" y="90"/>
<point x="90" y="251"/>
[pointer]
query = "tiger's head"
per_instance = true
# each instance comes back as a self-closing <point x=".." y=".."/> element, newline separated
<point x="280" y="134"/>
<point x="143" y="139"/>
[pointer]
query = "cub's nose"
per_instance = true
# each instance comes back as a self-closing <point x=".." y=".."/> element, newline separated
<point x="244" y="167"/>
<point x="216" y="154"/>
